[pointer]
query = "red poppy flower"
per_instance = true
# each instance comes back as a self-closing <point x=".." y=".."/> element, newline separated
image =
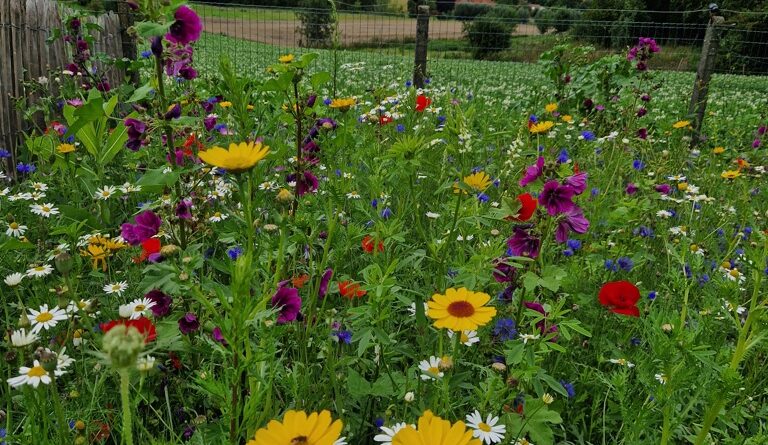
<point x="527" y="207"/>
<point x="143" y="325"/>
<point x="368" y="243"/>
<point x="300" y="281"/>
<point x="149" y="247"/>
<point x="620" y="297"/>
<point x="384" y="120"/>
<point x="350" y="289"/>
<point x="422" y="102"/>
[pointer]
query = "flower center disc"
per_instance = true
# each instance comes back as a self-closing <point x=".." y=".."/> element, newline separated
<point x="461" y="309"/>
<point x="484" y="427"/>
<point x="299" y="440"/>
<point x="37" y="371"/>
<point x="43" y="317"/>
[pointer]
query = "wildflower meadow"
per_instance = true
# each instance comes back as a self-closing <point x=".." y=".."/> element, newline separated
<point x="307" y="253"/>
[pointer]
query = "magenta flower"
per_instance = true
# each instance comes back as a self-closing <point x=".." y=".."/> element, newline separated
<point x="188" y="323"/>
<point x="323" y="289"/>
<point x="307" y="183"/>
<point x="556" y="198"/>
<point x="533" y="172"/>
<point x="631" y="189"/>
<point x="577" y="182"/>
<point x="503" y="272"/>
<point x="663" y="188"/>
<point x="147" y="226"/>
<point x="523" y="243"/>
<point x="288" y="301"/>
<point x="218" y="336"/>
<point x="573" y="221"/>
<point x="162" y="302"/>
<point x="183" y="208"/>
<point x="186" y="28"/>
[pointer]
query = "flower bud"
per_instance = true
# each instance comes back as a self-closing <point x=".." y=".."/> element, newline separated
<point x="409" y="397"/>
<point x="169" y="250"/>
<point x="499" y="367"/>
<point x="284" y="195"/>
<point x="63" y="263"/>
<point x="122" y="344"/>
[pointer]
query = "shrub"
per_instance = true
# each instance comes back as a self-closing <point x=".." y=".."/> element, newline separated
<point x="469" y="11"/>
<point x="316" y="23"/>
<point x="560" y="19"/>
<point x="488" y="34"/>
<point x="516" y="14"/>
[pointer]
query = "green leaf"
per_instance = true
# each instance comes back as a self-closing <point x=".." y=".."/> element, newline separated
<point x="530" y="281"/>
<point x="139" y="93"/>
<point x="115" y="143"/>
<point x="152" y="29"/>
<point x="319" y="78"/>
<point x="551" y="277"/>
<point x="514" y="355"/>
<point x="15" y="244"/>
<point x="357" y="386"/>
<point x="109" y="107"/>
<point x="552" y="383"/>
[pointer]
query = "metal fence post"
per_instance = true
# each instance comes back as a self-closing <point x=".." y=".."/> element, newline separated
<point x="422" y="39"/>
<point x="698" y="105"/>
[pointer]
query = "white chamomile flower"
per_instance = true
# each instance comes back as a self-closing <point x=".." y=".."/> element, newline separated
<point x="21" y="338"/>
<point x="662" y="378"/>
<point x="39" y="271"/>
<point x="526" y="337"/>
<point x="432" y="215"/>
<point x="386" y="434"/>
<point x="63" y="361"/>
<point x="130" y="188"/>
<point x="468" y="338"/>
<point x="45" y="318"/>
<point x="218" y="217"/>
<point x="487" y="431"/>
<point x="37" y="196"/>
<point x="664" y="214"/>
<point x="140" y="307"/>
<point x="44" y="210"/>
<point x="116" y="288"/>
<point x="104" y="193"/>
<point x="353" y="195"/>
<point x="14" y="279"/>
<point x="30" y="376"/>
<point x="622" y="362"/>
<point x="15" y="229"/>
<point x="430" y="369"/>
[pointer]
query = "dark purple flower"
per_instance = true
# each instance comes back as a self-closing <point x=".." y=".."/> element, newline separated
<point x="533" y="172"/>
<point x="663" y="188"/>
<point x="174" y="112"/>
<point x="642" y="133"/>
<point x="326" y="123"/>
<point x="189" y="431"/>
<point x="136" y="131"/>
<point x="209" y="122"/>
<point x="186" y="28"/>
<point x="523" y="243"/>
<point x="503" y="272"/>
<point x="147" y="226"/>
<point x="183" y="209"/>
<point x="306" y="184"/>
<point x="642" y="111"/>
<point x="311" y="100"/>
<point x="218" y="336"/>
<point x="556" y="198"/>
<point x="156" y="47"/>
<point x="577" y="182"/>
<point x="323" y="289"/>
<point x="188" y="323"/>
<point x="288" y="301"/>
<point x="162" y="302"/>
<point x="631" y="188"/>
<point x="573" y="221"/>
<point x="74" y="25"/>
<point x="756" y="143"/>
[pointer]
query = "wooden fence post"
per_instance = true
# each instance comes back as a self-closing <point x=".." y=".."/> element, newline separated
<point x="698" y="105"/>
<point x="125" y="15"/>
<point x="422" y="39"/>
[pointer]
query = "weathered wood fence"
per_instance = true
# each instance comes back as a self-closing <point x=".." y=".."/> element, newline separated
<point x="25" y="56"/>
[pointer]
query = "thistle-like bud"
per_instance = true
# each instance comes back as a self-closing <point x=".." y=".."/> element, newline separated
<point x="169" y="250"/>
<point x="122" y="344"/>
<point x="284" y="195"/>
<point x="48" y="359"/>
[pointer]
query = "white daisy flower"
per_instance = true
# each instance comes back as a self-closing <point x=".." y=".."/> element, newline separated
<point x="40" y="271"/>
<point x="16" y="229"/>
<point x="45" y="318"/>
<point x="76" y="306"/>
<point x="145" y="364"/>
<point x="26" y="196"/>
<point x="5" y="191"/>
<point x="526" y="337"/>
<point x="662" y="378"/>
<point x="432" y="215"/>
<point x="129" y="188"/>
<point x="116" y="288"/>
<point x="14" y="279"/>
<point x="21" y="338"/>
<point x="664" y="214"/>
<point x="37" y="196"/>
<point x="44" y="210"/>
<point x="622" y="362"/>
<point x="388" y="433"/>
<point x="430" y="369"/>
<point x="140" y="306"/>
<point x="30" y="376"/>
<point x="61" y="248"/>
<point x="547" y="398"/>
<point x="487" y="431"/>
<point x="468" y="338"/>
<point x="62" y="362"/>
<point x="353" y="195"/>
<point x="77" y="337"/>
<point x="678" y="178"/>
<point x="104" y="193"/>
<point x="125" y="310"/>
<point x="523" y="441"/>
<point x="218" y="217"/>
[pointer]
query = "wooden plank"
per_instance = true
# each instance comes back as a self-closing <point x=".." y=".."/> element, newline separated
<point x="5" y="78"/>
<point x="18" y="35"/>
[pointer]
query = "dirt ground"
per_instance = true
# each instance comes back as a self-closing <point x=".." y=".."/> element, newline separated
<point x="283" y="33"/>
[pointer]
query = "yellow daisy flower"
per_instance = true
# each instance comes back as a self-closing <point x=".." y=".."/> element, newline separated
<point x="718" y="150"/>
<point x="730" y="174"/>
<point x="238" y="158"/>
<point x="681" y="124"/>
<point x="541" y="127"/>
<point x="225" y="104"/>
<point x="65" y="148"/>
<point x="551" y="107"/>
<point x="287" y="58"/>
<point x="433" y="430"/>
<point x="299" y="429"/>
<point x="477" y="181"/>
<point x="567" y="118"/>
<point x="460" y="309"/>
<point x="343" y="104"/>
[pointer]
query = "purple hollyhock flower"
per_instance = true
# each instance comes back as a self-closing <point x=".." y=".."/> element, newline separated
<point x="147" y="226"/>
<point x="183" y="209"/>
<point x="311" y="100"/>
<point x="577" y="182"/>
<point x="174" y="112"/>
<point x="136" y="130"/>
<point x="209" y="122"/>
<point x="573" y="221"/>
<point x="663" y="188"/>
<point x="306" y="184"/>
<point x="326" y="123"/>
<point x="523" y="243"/>
<point x="503" y="272"/>
<point x="186" y="28"/>
<point x="188" y="323"/>
<point x="162" y="302"/>
<point x="642" y="111"/>
<point x="642" y="133"/>
<point x="288" y="301"/>
<point x="542" y="325"/>
<point x="556" y="198"/>
<point x="156" y="46"/>
<point x="533" y="172"/>
<point x="324" y="281"/>
<point x="631" y="188"/>
<point x="756" y="143"/>
<point x="218" y="336"/>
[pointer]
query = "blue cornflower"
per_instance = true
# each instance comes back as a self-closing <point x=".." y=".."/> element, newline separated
<point x="496" y="182"/>
<point x="638" y="165"/>
<point x="634" y="341"/>
<point x="375" y="203"/>
<point x="441" y="120"/>
<point x="369" y="224"/>
<point x="408" y="83"/>
<point x="327" y="101"/>
<point x="452" y="273"/>
<point x="588" y="135"/>
<point x="386" y="213"/>
<point x="338" y="172"/>
<point x="595" y="191"/>
<point x="541" y="149"/>
<point x="482" y="197"/>
<point x="25" y="168"/>
<point x="219" y="127"/>
<point x="505" y="329"/>
<point x="235" y="252"/>
<point x="626" y="263"/>
<point x="652" y="295"/>
<point x="532" y="118"/>
<point x="427" y="81"/>
<point x="739" y="251"/>
<point x="643" y="231"/>
<point x="703" y="279"/>
<point x="688" y="273"/>
<point x="568" y="389"/>
<point x="344" y="336"/>
<point x="146" y="54"/>
<point x="573" y="244"/>
<point x="568" y="252"/>
<point x="70" y="139"/>
<point x="400" y="128"/>
<point x="610" y="265"/>
<point x="562" y="158"/>
<point x="379" y="422"/>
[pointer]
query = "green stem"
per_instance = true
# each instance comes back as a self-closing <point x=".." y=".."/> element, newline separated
<point x="125" y="398"/>
<point x="60" y="420"/>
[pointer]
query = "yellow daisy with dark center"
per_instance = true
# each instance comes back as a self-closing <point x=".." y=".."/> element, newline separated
<point x="238" y="158"/>
<point x="433" y="430"/>
<point x="298" y="428"/>
<point x="460" y="309"/>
